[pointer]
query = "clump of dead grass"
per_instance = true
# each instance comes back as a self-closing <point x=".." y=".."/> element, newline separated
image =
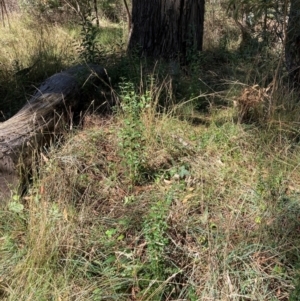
<point x="253" y="104"/>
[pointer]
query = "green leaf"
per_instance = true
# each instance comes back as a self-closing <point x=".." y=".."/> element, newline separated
<point x="15" y="207"/>
<point x="110" y="232"/>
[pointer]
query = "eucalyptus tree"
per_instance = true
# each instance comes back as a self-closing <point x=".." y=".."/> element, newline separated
<point x="166" y="28"/>
<point x="292" y="45"/>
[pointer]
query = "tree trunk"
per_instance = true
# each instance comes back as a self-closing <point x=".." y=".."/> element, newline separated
<point x="39" y="119"/>
<point x="96" y="13"/>
<point x="128" y="14"/>
<point x="292" y="44"/>
<point x="167" y="28"/>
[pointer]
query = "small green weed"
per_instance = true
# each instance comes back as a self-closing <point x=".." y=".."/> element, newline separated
<point x="132" y="142"/>
<point x="155" y="229"/>
<point x="89" y="50"/>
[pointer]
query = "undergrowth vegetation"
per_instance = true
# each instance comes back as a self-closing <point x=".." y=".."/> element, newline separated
<point x="188" y="190"/>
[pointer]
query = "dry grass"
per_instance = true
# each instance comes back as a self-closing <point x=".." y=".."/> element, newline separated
<point x="25" y="41"/>
<point x="220" y="193"/>
<point x="149" y="205"/>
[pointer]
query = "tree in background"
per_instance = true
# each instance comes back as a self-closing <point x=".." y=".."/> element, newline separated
<point x="166" y="28"/>
<point x="292" y="45"/>
<point x="260" y="20"/>
<point x="3" y="8"/>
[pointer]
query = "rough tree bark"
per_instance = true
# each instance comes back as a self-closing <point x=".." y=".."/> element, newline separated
<point x="39" y="119"/>
<point x="292" y="44"/>
<point x="167" y="28"/>
<point x="128" y="14"/>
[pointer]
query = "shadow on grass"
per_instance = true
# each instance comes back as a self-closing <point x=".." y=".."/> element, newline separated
<point x="18" y="83"/>
<point x="208" y="72"/>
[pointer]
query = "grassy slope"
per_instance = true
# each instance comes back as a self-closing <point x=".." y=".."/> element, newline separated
<point x="179" y="205"/>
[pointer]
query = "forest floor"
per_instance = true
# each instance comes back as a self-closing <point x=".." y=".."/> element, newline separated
<point x="188" y="190"/>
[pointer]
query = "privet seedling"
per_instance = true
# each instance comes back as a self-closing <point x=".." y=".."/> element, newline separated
<point x="132" y="142"/>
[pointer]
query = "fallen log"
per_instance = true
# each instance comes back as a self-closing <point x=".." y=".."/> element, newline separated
<point x="39" y="119"/>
